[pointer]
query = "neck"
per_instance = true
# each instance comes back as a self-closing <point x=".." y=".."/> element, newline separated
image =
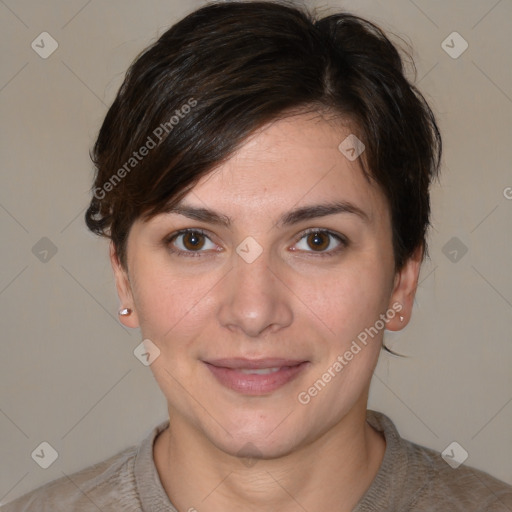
<point x="331" y="473"/>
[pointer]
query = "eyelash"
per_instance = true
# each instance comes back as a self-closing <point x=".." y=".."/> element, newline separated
<point x="343" y="242"/>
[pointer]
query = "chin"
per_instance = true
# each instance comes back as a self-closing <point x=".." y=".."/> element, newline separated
<point x="257" y="447"/>
<point x="258" y="434"/>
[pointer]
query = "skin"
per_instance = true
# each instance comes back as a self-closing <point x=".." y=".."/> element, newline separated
<point x="293" y="301"/>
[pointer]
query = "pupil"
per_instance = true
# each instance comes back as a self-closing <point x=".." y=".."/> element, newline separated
<point x="318" y="241"/>
<point x="193" y="241"/>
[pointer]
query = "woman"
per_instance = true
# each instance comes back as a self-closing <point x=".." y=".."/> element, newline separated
<point x="264" y="179"/>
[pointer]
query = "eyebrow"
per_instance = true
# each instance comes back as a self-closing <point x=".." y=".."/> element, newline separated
<point x="287" y="219"/>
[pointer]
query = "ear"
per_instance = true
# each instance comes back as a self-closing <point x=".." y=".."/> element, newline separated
<point x="124" y="289"/>
<point x="404" y="290"/>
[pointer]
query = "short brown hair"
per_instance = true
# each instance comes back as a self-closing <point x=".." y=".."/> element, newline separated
<point x="227" y="69"/>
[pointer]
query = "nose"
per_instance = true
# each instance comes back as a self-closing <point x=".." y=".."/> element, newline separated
<point x="254" y="298"/>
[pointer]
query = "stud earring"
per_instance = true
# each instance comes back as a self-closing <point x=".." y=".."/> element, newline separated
<point x="401" y="318"/>
<point x="125" y="312"/>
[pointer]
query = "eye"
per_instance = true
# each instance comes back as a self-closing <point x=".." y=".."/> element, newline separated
<point x="321" y="241"/>
<point x="190" y="241"/>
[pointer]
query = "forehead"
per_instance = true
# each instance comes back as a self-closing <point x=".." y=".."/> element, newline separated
<point x="288" y="163"/>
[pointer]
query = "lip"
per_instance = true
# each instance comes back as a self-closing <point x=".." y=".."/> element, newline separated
<point x="228" y="373"/>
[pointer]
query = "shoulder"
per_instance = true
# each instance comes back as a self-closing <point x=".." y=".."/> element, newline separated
<point x="461" y="488"/>
<point x="106" y="486"/>
<point x="417" y="479"/>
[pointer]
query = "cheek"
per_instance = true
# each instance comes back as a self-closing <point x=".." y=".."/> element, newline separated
<point x="346" y="308"/>
<point x="170" y="306"/>
<point x="174" y="312"/>
<point x="346" y="301"/>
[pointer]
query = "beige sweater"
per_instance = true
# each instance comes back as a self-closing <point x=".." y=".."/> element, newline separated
<point x="411" y="479"/>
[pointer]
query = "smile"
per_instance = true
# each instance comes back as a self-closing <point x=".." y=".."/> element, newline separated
<point x="261" y="371"/>
<point x="255" y="377"/>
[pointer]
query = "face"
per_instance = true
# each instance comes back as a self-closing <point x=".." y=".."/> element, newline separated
<point x="269" y="310"/>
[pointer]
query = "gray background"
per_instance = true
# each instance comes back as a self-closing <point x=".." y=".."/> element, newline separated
<point x="69" y="376"/>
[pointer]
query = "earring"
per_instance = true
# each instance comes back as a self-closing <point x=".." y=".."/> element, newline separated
<point x="125" y="312"/>
<point x="401" y="318"/>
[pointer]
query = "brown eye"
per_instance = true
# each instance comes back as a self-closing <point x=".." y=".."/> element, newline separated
<point x="318" y="241"/>
<point x="191" y="243"/>
<point x="323" y="242"/>
<point x="193" y="240"/>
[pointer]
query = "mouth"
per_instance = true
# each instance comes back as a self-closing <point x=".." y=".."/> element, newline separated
<point x="255" y="376"/>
